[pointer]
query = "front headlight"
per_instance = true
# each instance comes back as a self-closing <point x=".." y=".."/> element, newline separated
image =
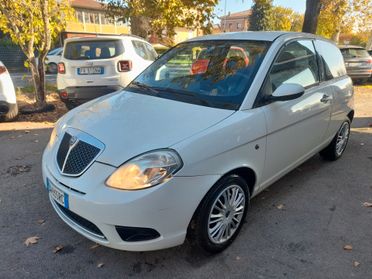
<point x="146" y="170"/>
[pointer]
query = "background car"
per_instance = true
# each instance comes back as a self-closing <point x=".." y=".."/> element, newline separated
<point x="52" y="60"/>
<point x="92" y="67"/>
<point x="358" y="62"/>
<point x="8" y="100"/>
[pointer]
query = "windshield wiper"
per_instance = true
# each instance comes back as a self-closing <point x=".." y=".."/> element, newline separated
<point x="144" y="86"/>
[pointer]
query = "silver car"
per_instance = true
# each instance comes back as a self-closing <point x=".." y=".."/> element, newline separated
<point x="358" y="62"/>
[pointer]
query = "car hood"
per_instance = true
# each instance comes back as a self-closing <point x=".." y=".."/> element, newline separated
<point x="130" y="123"/>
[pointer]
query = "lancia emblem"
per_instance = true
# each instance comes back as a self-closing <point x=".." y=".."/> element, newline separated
<point x="72" y="141"/>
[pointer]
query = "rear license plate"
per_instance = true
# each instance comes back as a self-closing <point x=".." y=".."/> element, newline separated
<point x="90" y="71"/>
<point x="57" y="194"/>
<point x="355" y="64"/>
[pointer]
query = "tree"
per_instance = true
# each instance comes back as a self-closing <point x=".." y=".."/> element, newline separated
<point x="32" y="24"/>
<point x="285" y="19"/>
<point x="261" y="18"/>
<point x="162" y="17"/>
<point x="311" y="16"/>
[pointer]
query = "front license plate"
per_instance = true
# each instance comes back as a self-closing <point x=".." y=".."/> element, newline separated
<point x="58" y="195"/>
<point x="90" y="71"/>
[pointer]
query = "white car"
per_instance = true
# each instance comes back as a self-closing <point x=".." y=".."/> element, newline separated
<point x="52" y="60"/>
<point x="92" y="67"/>
<point x="182" y="153"/>
<point x="8" y="100"/>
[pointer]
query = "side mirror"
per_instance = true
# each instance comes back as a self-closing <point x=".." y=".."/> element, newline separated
<point x="286" y="92"/>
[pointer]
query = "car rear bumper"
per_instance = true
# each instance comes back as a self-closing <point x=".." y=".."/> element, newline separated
<point x="81" y="94"/>
<point x="359" y="73"/>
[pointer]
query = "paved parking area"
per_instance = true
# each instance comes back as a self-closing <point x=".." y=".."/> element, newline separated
<point x="295" y="229"/>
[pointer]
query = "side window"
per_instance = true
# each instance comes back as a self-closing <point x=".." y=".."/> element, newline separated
<point x="296" y="63"/>
<point x="332" y="60"/>
<point x="144" y="50"/>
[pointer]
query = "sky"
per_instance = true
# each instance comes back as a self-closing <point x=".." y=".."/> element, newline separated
<point x="241" y="5"/>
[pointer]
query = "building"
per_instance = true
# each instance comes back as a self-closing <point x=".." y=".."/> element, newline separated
<point x="90" y="20"/>
<point x="234" y="22"/>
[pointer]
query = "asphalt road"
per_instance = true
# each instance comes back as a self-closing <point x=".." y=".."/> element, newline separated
<point x="25" y="79"/>
<point x="321" y="213"/>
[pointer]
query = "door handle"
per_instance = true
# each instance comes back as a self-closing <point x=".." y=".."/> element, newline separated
<point x="325" y="98"/>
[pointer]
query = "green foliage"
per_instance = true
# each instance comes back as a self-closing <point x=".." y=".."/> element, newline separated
<point x="285" y="19"/>
<point x="24" y="21"/>
<point x="33" y="24"/>
<point x="162" y="17"/>
<point x="262" y="15"/>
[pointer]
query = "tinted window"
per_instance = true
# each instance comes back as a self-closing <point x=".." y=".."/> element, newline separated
<point x="296" y="63"/>
<point x="332" y="60"/>
<point x="144" y="50"/>
<point x="210" y="73"/>
<point x="354" y="53"/>
<point x="86" y="50"/>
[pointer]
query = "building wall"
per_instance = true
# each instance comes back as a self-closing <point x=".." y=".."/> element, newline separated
<point x="93" y="21"/>
<point x="234" y="24"/>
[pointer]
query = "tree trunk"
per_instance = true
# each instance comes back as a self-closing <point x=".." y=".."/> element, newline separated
<point x="38" y="81"/>
<point x="311" y="16"/>
<point x="336" y="35"/>
<point x="139" y="26"/>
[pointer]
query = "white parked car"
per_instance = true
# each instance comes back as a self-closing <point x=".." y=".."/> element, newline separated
<point x="182" y="153"/>
<point x="92" y="67"/>
<point x="52" y="60"/>
<point x="8" y="100"/>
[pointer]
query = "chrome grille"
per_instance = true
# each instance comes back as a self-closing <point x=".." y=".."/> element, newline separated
<point x="76" y="153"/>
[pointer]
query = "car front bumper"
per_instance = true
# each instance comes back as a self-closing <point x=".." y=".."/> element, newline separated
<point x="166" y="209"/>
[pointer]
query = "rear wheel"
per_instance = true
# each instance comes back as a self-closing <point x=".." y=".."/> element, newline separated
<point x="338" y="145"/>
<point x="70" y="105"/>
<point x="12" y="113"/>
<point x="220" y="215"/>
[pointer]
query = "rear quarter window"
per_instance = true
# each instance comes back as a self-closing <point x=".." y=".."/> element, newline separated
<point x="332" y="59"/>
<point x="144" y="50"/>
<point x="88" y="50"/>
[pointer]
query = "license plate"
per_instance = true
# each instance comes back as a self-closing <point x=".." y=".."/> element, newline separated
<point x="58" y="195"/>
<point x="90" y="71"/>
<point x="355" y="64"/>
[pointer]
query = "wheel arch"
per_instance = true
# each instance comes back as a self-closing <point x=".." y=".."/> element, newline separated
<point x="350" y="115"/>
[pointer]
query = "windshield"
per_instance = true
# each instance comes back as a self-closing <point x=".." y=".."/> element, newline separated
<point x="93" y="49"/>
<point x="210" y="73"/>
<point x="354" y="53"/>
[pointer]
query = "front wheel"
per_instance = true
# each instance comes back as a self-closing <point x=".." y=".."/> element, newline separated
<point x="221" y="214"/>
<point x="338" y="145"/>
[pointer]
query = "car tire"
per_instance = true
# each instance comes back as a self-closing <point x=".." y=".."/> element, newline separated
<point x="11" y="114"/>
<point x="70" y="105"/>
<point x="338" y="145"/>
<point x="52" y="68"/>
<point x="203" y="229"/>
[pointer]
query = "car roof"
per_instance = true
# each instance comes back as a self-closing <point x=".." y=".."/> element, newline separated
<point x="254" y="35"/>
<point x="350" y="46"/>
<point x="100" y="38"/>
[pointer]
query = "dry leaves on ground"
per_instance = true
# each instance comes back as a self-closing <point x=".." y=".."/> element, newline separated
<point x="31" y="240"/>
<point x="96" y="245"/>
<point x="100" y="265"/>
<point x="280" y="206"/>
<point x="367" y="204"/>
<point x="57" y="249"/>
<point x="41" y="221"/>
<point x="356" y="264"/>
<point x="348" y="247"/>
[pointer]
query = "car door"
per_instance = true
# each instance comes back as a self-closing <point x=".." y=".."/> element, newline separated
<point x="295" y="128"/>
